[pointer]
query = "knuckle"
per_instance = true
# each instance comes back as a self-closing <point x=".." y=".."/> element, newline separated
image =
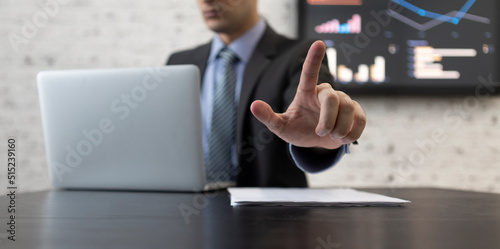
<point x="360" y="117"/>
<point x="360" y="120"/>
<point x="331" y="97"/>
<point x="343" y="94"/>
<point x="357" y="105"/>
<point x="324" y="86"/>
<point x="347" y="107"/>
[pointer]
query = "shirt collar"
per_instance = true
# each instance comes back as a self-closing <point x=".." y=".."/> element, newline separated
<point x="243" y="46"/>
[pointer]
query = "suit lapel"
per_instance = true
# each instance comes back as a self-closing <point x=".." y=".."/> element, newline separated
<point x="257" y="65"/>
<point x="200" y="59"/>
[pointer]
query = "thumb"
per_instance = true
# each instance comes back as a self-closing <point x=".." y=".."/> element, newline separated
<point x="265" y="114"/>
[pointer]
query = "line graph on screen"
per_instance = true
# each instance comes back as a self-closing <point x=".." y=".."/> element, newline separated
<point x="453" y="17"/>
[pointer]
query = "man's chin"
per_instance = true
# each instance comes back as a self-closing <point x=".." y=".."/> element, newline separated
<point x="217" y="26"/>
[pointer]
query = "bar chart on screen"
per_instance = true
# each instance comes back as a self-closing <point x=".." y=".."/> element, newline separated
<point x="352" y="26"/>
<point x="375" y="72"/>
<point x="426" y="62"/>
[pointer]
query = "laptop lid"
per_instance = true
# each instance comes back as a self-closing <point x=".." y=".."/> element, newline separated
<point x="131" y="128"/>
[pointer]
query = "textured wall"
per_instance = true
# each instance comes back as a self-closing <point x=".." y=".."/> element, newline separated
<point x="409" y="141"/>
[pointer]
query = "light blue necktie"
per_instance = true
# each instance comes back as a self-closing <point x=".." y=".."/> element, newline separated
<point x="223" y="128"/>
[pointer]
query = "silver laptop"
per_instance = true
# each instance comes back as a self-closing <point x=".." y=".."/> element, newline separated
<point x="124" y="129"/>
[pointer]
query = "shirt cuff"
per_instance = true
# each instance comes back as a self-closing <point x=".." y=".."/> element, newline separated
<point x="311" y="161"/>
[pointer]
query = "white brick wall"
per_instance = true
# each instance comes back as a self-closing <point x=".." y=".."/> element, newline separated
<point x="124" y="33"/>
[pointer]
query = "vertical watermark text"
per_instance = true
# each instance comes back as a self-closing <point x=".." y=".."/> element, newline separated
<point x="11" y="188"/>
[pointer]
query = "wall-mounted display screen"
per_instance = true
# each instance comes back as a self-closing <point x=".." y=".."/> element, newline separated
<point x="407" y="46"/>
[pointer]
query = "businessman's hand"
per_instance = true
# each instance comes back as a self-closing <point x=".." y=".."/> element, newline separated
<point x="318" y="116"/>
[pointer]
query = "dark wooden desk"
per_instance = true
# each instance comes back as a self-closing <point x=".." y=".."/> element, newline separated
<point x="437" y="218"/>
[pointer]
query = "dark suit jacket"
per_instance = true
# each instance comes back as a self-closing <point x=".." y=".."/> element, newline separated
<point x="272" y="75"/>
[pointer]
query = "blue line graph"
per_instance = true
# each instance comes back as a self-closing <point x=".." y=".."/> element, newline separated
<point x="451" y="19"/>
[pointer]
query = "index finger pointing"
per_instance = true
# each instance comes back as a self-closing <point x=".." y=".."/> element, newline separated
<point x="311" y="67"/>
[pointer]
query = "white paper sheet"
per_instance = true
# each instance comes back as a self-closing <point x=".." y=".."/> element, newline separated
<point x="309" y="197"/>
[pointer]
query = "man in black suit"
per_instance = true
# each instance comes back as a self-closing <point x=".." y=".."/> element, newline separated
<point x="314" y="123"/>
